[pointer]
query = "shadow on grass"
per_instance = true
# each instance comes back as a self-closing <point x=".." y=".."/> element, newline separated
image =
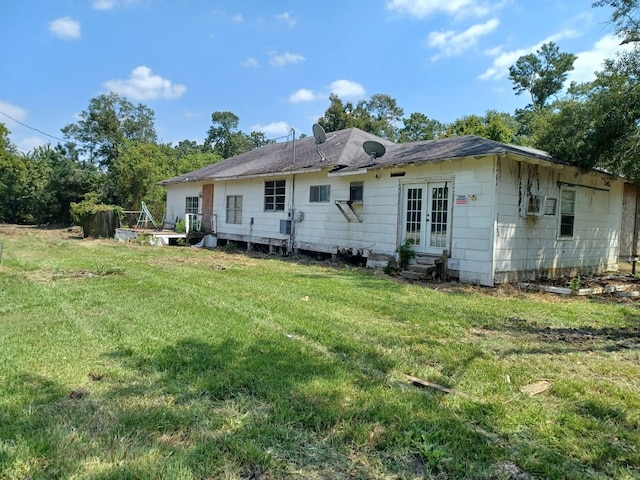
<point x="263" y="408"/>
<point x="566" y="340"/>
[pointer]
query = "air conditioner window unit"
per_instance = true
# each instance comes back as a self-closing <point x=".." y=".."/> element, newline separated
<point x="285" y="227"/>
<point x="535" y="206"/>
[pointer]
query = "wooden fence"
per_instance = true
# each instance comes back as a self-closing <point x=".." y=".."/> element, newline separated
<point x="101" y="224"/>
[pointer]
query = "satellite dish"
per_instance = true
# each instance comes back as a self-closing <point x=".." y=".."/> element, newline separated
<point x="318" y="132"/>
<point x="374" y="150"/>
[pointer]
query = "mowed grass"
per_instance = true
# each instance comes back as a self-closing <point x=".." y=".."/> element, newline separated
<point x="129" y="361"/>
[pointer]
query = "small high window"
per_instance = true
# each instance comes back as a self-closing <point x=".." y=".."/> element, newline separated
<point x="567" y="213"/>
<point x="356" y="190"/>
<point x="274" y="193"/>
<point x="234" y="209"/>
<point x="319" y="193"/>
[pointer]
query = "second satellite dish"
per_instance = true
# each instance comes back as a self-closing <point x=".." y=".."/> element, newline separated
<point x="374" y="150"/>
<point x="318" y="133"/>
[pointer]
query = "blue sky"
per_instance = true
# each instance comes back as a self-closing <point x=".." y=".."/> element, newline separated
<point x="275" y="63"/>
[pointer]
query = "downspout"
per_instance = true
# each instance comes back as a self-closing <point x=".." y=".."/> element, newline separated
<point x="494" y="215"/>
<point x="292" y="213"/>
<point x="292" y="210"/>
<point x="634" y="248"/>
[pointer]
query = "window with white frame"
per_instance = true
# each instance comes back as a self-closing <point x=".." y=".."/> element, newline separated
<point x="274" y="193"/>
<point x="356" y="192"/>
<point x="319" y="193"/>
<point x="234" y="209"/>
<point x="192" y="205"/>
<point x="567" y="213"/>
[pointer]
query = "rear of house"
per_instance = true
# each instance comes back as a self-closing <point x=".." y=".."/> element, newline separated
<point x="499" y="213"/>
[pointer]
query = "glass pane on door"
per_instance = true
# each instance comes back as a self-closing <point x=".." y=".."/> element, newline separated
<point x="413" y="215"/>
<point x="439" y="216"/>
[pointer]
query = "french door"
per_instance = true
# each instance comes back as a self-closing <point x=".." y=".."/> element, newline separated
<point x="427" y="216"/>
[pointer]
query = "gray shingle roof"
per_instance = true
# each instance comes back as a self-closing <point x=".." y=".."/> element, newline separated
<point x="343" y="151"/>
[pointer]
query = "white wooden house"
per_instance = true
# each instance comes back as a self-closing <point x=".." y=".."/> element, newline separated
<point x="503" y="213"/>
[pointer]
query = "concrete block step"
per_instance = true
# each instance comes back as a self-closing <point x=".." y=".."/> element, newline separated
<point x="422" y="269"/>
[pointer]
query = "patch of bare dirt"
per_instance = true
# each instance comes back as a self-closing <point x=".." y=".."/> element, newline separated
<point x="56" y="233"/>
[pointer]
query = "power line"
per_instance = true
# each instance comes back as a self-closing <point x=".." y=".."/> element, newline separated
<point x="74" y="143"/>
<point x="35" y="129"/>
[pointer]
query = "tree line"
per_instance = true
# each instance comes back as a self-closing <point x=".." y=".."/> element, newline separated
<point x="112" y="155"/>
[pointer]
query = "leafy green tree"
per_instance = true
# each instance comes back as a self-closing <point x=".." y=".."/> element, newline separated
<point x="625" y="18"/>
<point x="420" y="127"/>
<point x="380" y="115"/>
<point x="259" y="139"/>
<point x="68" y="180"/>
<point x="337" y="116"/>
<point x="542" y="74"/>
<point x="498" y="126"/>
<point x="13" y="177"/>
<point x="598" y="125"/>
<point x="107" y="125"/>
<point x="502" y="127"/>
<point x="138" y="168"/>
<point x="5" y="142"/>
<point x="194" y="161"/>
<point x="188" y="156"/>
<point x="23" y="178"/>
<point x="187" y="147"/>
<point x="22" y="189"/>
<point x="226" y="140"/>
<point x="467" y="125"/>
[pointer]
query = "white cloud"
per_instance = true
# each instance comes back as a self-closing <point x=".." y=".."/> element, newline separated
<point x="590" y="61"/>
<point x="237" y="18"/>
<point x="142" y="85"/>
<point x="503" y="60"/>
<point x="103" y="4"/>
<point x="302" y="95"/>
<point x="423" y="8"/>
<point x="65" y="27"/>
<point x="250" y="62"/>
<point x="111" y="4"/>
<point x="344" y="89"/>
<point x="451" y="43"/>
<point x="287" y="19"/>
<point x="18" y="113"/>
<point x="29" y="144"/>
<point x="285" y="59"/>
<point x="272" y="129"/>
<point x="347" y="89"/>
<point x="191" y="114"/>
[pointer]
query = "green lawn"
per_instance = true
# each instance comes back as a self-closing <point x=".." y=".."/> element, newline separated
<point x="130" y="361"/>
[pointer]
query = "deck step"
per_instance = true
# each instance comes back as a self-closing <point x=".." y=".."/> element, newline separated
<point x="426" y="260"/>
<point x="411" y="275"/>
<point x="421" y="269"/>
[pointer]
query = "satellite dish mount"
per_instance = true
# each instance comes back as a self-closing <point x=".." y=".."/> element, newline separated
<point x="374" y="150"/>
<point x="321" y="137"/>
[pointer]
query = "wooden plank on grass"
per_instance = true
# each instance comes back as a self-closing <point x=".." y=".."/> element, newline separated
<point x="535" y="388"/>
<point x="419" y="382"/>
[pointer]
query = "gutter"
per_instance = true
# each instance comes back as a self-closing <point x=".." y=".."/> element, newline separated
<point x="247" y="177"/>
<point x="339" y="173"/>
